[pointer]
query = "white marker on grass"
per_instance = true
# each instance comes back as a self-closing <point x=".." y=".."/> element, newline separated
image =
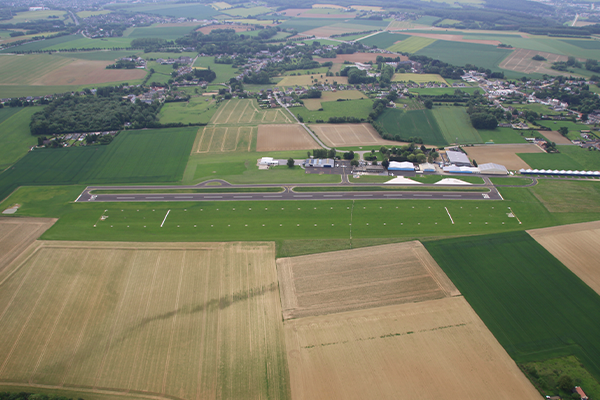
<point x="449" y="215"/>
<point x="161" y="225"/>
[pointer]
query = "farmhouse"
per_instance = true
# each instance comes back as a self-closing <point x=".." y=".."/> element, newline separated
<point x="401" y="166"/>
<point x="458" y="158"/>
<point x="580" y="392"/>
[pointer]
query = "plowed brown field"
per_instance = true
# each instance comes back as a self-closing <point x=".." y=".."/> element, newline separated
<point x="344" y="135"/>
<point x="556" y="137"/>
<point x="82" y="72"/>
<point x="157" y="320"/>
<point x="577" y="246"/>
<point x="16" y="234"/>
<point x="284" y="137"/>
<point x="362" y="278"/>
<point x="432" y="350"/>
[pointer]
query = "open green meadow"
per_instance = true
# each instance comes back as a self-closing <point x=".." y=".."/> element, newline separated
<point x="183" y="10"/>
<point x="28" y="16"/>
<point x="572" y="158"/>
<point x="416" y="123"/>
<point x="574" y="128"/>
<point x="158" y="31"/>
<point x="441" y="91"/>
<point x="198" y="110"/>
<point x="455" y="125"/>
<point x="224" y="71"/>
<point x="43" y="44"/>
<point x="306" y="24"/>
<point x="15" y="136"/>
<point x="85" y="43"/>
<point x="503" y="135"/>
<point x="246" y="12"/>
<point x="99" y="55"/>
<point x="525" y="296"/>
<point x="459" y="53"/>
<point x="383" y="40"/>
<point x="134" y="156"/>
<point x="560" y="196"/>
<point x="353" y="108"/>
<point x="411" y="45"/>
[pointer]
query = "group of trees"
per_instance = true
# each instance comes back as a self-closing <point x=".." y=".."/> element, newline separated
<point x="411" y="152"/>
<point x="93" y="113"/>
<point x="356" y="76"/>
<point x="32" y="396"/>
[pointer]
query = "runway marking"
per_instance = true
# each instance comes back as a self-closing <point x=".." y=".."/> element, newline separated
<point x="154" y="198"/>
<point x="394" y="194"/>
<point x="273" y="196"/>
<point x="125" y="198"/>
<point x="452" y="195"/>
<point x="422" y="195"/>
<point x="307" y="195"/>
<point x="184" y="197"/>
<point x="363" y="195"/>
<point x="161" y="225"/>
<point x="242" y="197"/>
<point x="213" y="197"/>
<point x="449" y="215"/>
<point x="332" y="195"/>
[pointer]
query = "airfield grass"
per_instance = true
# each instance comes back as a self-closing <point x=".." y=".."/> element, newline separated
<point x="416" y="123"/>
<point x="196" y="110"/>
<point x="411" y="45"/>
<point x="511" y="181"/>
<point x="455" y="125"/>
<point x="389" y="188"/>
<point x="503" y="135"/>
<point x="525" y="296"/>
<point x="15" y="136"/>
<point x="358" y="108"/>
<point x="224" y="71"/>
<point x="458" y="53"/>
<point x="134" y="156"/>
<point x="561" y="196"/>
<point x="572" y="158"/>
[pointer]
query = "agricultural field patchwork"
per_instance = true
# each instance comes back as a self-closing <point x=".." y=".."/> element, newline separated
<point x="385" y="39"/>
<point x="215" y="139"/>
<point x="359" y="108"/>
<point x="455" y="125"/>
<point x="234" y="112"/>
<point x="307" y="80"/>
<point x="577" y="246"/>
<point x="503" y="154"/>
<point x="196" y="110"/>
<point x="503" y="135"/>
<point x="521" y="61"/>
<point x="418" y="78"/>
<point x="315" y="104"/>
<point x="411" y="45"/>
<point x="518" y="289"/>
<point x="414" y="123"/>
<point x="357" y="279"/>
<point x="438" y="349"/>
<point x="15" y="134"/>
<point x="344" y="135"/>
<point x="570" y="158"/>
<point x="183" y="320"/>
<point x="458" y="53"/>
<point x="16" y="234"/>
<point x="283" y="138"/>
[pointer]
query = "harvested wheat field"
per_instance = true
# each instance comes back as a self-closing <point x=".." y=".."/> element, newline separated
<point x="577" y="246"/>
<point x="284" y="137"/>
<point x="521" y="60"/>
<point x="555" y="137"/>
<point x="315" y="104"/>
<point x="234" y="112"/>
<point x="168" y="320"/>
<point x="453" y="38"/>
<point x="361" y="278"/>
<point x="83" y="72"/>
<point x="16" y="234"/>
<point x="307" y="80"/>
<point x="344" y="135"/>
<point x="503" y="154"/>
<point x="216" y="139"/>
<point x="432" y="350"/>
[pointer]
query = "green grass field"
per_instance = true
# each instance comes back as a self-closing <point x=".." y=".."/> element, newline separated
<point x="196" y="110"/>
<point x="570" y="158"/>
<point x="42" y="44"/>
<point x="441" y="91"/>
<point x="383" y="40"/>
<point x="197" y="11"/>
<point x="455" y="125"/>
<point x="224" y="71"/>
<point x="458" y="53"/>
<point x="15" y="136"/>
<point x="134" y="156"/>
<point x="411" y="45"/>
<point x="305" y="24"/>
<point x="28" y="16"/>
<point x="417" y="123"/>
<point x="525" y="296"/>
<point x="503" y="135"/>
<point x="246" y="12"/>
<point x="418" y="78"/>
<point x="353" y="108"/>
<point x="158" y="31"/>
<point x="574" y="128"/>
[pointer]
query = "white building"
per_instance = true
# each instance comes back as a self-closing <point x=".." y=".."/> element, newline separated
<point x="458" y="158"/>
<point x="401" y="166"/>
<point x="492" y="168"/>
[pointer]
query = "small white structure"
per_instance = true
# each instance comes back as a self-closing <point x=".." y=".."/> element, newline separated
<point x="267" y="161"/>
<point x="452" y="181"/>
<point x="401" y="166"/>
<point x="458" y="158"/>
<point x="492" y="168"/>
<point x="400" y="180"/>
<point x="427" y="167"/>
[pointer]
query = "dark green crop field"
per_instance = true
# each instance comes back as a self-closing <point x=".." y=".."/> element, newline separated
<point x="415" y="123"/>
<point x="134" y="156"/>
<point x="458" y="53"/>
<point x="532" y="303"/>
<point x="383" y="40"/>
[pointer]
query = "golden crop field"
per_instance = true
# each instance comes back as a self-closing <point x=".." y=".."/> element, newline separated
<point x="16" y="234"/>
<point x="577" y="246"/>
<point x="438" y="349"/>
<point x="411" y="45"/>
<point x="216" y="139"/>
<point x="235" y="112"/>
<point x="361" y="278"/>
<point x="418" y="78"/>
<point x="340" y="135"/>
<point x="161" y="320"/>
<point x="284" y="137"/>
<point x="315" y="104"/>
<point x="504" y="154"/>
<point x="307" y="80"/>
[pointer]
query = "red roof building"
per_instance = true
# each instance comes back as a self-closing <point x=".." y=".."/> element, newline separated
<point x="581" y="393"/>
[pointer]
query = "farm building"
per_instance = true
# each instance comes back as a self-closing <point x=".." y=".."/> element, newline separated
<point x="401" y="166"/>
<point x="427" y="167"/>
<point x="580" y="392"/>
<point x="458" y="158"/>
<point x="494" y="169"/>
<point x="319" y="163"/>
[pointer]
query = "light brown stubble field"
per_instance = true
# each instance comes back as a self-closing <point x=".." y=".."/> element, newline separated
<point x="217" y="139"/>
<point x="234" y="112"/>
<point x="284" y="137"/>
<point x="344" y="135"/>
<point x="503" y="154"/>
<point x="520" y="60"/>
<point x="315" y="104"/>
<point x="432" y="350"/>
<point x="361" y="278"/>
<point x="555" y="137"/>
<point x="16" y="234"/>
<point x="577" y="246"/>
<point x="170" y="320"/>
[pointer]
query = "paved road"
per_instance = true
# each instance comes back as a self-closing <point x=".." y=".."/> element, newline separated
<point x="288" y="195"/>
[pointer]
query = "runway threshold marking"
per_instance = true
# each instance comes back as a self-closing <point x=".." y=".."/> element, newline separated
<point x="161" y="225"/>
<point x="449" y="215"/>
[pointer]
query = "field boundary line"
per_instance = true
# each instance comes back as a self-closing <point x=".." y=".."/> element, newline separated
<point x="449" y="215"/>
<point x="264" y="115"/>
<point x="237" y="138"/>
<point x="231" y="113"/>
<point x="200" y="140"/>
<point x="224" y="139"/>
<point x="242" y="113"/>
<point x="114" y="325"/>
<point x="203" y="335"/>
<point x="223" y="107"/>
<point x="85" y="325"/>
<point x="115" y="392"/>
<point x="250" y="139"/>
<point x="168" y="358"/>
<point x="9" y="355"/>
